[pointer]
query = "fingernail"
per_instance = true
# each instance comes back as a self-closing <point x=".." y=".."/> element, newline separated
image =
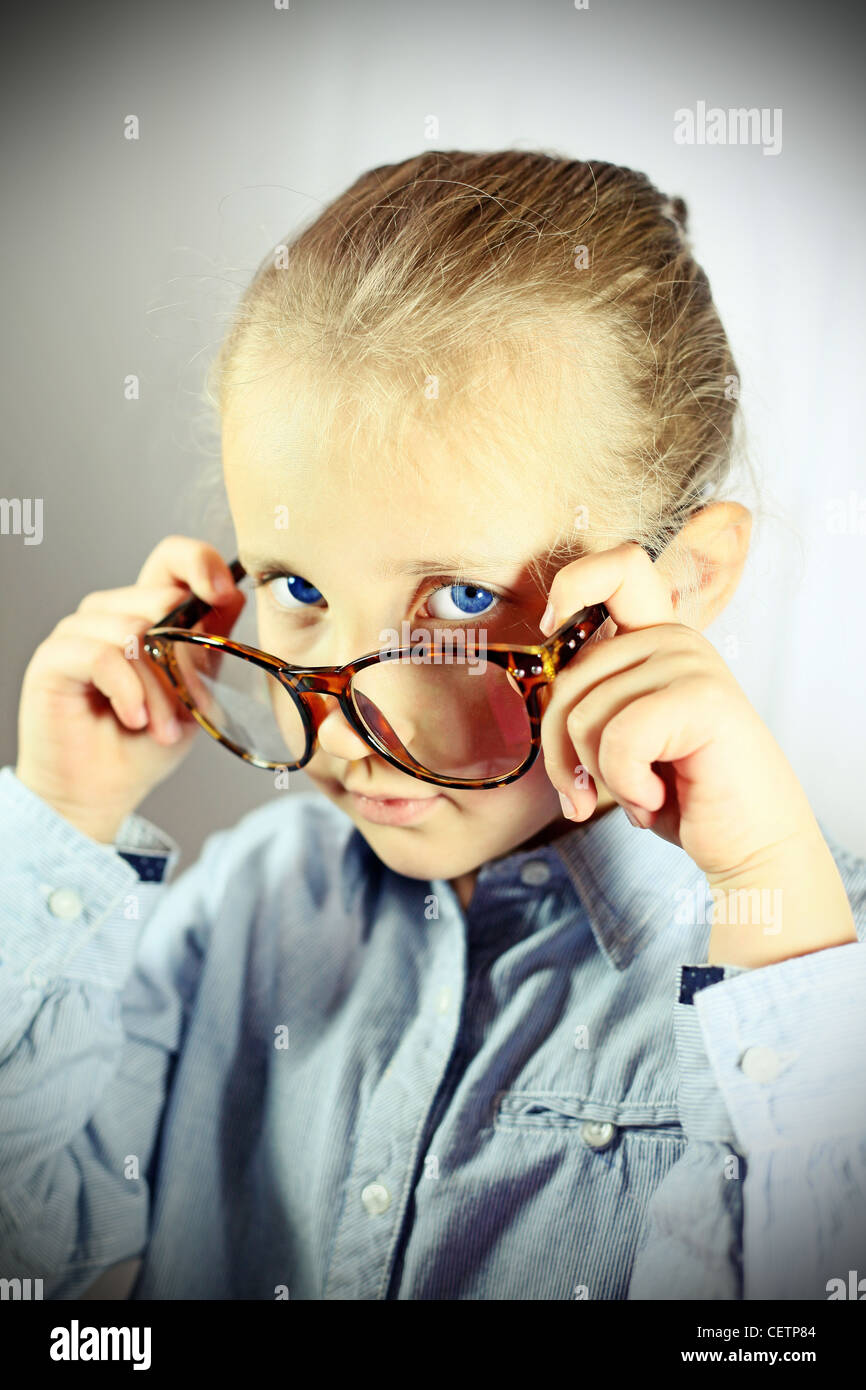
<point x="223" y="584"/>
<point x="172" y="730"/>
<point x="141" y="716"/>
<point x="633" y="820"/>
<point x="546" y="623"/>
<point x="567" y="807"/>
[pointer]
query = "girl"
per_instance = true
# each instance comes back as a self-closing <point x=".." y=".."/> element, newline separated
<point x="593" y="1029"/>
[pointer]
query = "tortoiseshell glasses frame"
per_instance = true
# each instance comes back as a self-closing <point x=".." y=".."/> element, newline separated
<point x="531" y="668"/>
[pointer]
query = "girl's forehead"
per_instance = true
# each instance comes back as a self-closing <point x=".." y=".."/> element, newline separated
<point x="276" y="415"/>
<point x="393" y="533"/>
<point x="434" y="493"/>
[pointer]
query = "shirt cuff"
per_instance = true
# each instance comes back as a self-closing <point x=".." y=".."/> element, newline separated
<point x="786" y="1043"/>
<point x="70" y="906"/>
<point x="783" y="1049"/>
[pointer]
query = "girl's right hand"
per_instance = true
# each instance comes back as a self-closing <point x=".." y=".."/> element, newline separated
<point x="97" y="730"/>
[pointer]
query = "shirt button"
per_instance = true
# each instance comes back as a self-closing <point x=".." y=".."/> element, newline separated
<point x="66" y="903"/>
<point x="760" y="1064"/>
<point x="376" y="1198"/>
<point x="597" y="1134"/>
<point x="443" y="1003"/>
<point x="535" y="871"/>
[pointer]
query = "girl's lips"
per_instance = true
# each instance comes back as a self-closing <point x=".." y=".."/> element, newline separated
<point x="393" y="810"/>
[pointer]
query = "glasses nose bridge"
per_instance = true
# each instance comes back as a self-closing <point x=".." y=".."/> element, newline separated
<point x="317" y="689"/>
<point x="330" y="682"/>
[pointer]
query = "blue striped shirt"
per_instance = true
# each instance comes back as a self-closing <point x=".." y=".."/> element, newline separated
<point x="293" y="1072"/>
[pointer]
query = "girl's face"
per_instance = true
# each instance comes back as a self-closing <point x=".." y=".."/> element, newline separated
<point x="369" y="552"/>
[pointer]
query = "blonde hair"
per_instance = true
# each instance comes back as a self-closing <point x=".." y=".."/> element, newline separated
<point x="549" y="308"/>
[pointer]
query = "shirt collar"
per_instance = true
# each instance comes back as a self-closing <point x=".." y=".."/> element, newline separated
<point x="625" y="878"/>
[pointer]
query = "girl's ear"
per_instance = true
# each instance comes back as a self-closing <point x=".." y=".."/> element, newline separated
<point x="717" y="537"/>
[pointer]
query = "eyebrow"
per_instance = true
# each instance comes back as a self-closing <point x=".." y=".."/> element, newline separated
<point x="444" y="564"/>
<point x="447" y="564"/>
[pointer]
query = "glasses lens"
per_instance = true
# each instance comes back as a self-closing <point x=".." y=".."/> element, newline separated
<point x="458" y="719"/>
<point x="243" y="702"/>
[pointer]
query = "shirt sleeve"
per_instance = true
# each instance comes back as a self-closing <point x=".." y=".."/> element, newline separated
<point x="99" y="962"/>
<point x="768" y="1200"/>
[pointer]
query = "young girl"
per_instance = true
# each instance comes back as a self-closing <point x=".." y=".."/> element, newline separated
<point x="592" y="1031"/>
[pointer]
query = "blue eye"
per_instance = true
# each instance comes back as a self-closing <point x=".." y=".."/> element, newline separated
<point x="292" y="592"/>
<point x="468" y="600"/>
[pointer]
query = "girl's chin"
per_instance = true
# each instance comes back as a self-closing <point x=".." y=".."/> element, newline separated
<point x="422" y="854"/>
<point x="419" y="835"/>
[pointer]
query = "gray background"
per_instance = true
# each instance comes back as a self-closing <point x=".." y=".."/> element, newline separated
<point x="126" y="257"/>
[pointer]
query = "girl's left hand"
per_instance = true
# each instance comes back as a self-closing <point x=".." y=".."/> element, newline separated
<point x="656" y="715"/>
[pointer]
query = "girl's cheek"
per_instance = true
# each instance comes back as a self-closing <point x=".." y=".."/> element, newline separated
<point x="531" y="795"/>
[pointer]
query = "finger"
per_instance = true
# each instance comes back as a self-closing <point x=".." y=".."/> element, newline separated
<point x="220" y="620"/>
<point x="186" y="662"/>
<point x="594" y="667"/>
<point x="141" y="615"/>
<point x="121" y="628"/>
<point x="573" y="739"/>
<point x="117" y="631"/>
<point x="184" y="560"/>
<point x="192" y="660"/>
<point x="114" y="677"/>
<point x="74" y="663"/>
<point x="168" y="714"/>
<point x="150" y="602"/>
<point x="598" y="662"/>
<point x="572" y="733"/>
<point x="670" y="724"/>
<point x="623" y="578"/>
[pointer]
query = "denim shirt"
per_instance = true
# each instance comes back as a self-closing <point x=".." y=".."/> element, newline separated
<point x="294" y="1073"/>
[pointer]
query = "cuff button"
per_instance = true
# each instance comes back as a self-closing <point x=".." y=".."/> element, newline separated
<point x="65" y="903"/>
<point x="760" y="1064"/>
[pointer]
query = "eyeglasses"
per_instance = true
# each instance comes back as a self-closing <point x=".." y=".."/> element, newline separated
<point x="473" y="721"/>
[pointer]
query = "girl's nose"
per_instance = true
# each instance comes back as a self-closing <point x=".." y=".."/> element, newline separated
<point x="336" y="736"/>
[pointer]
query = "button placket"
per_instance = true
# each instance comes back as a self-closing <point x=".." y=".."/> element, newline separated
<point x="443" y="1000"/>
<point x="376" y="1198"/>
<point x="390" y="1134"/>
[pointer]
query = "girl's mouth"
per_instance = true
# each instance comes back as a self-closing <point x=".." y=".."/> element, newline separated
<point x="393" y="810"/>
